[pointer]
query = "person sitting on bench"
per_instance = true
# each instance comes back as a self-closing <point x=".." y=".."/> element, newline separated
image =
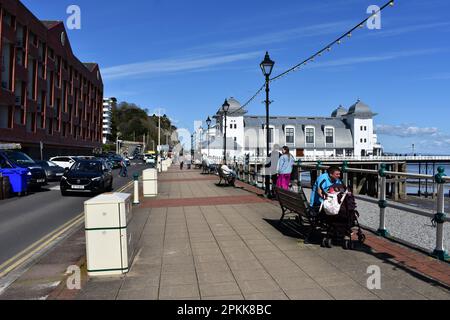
<point x="229" y="172"/>
<point x="320" y="188"/>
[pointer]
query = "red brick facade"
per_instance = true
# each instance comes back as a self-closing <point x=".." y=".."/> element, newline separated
<point x="46" y="93"/>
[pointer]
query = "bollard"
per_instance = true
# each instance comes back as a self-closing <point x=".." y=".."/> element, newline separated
<point x="439" y="217"/>
<point x="382" y="203"/>
<point x="136" y="188"/>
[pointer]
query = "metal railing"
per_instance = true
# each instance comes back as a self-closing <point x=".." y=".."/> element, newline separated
<point x="253" y="174"/>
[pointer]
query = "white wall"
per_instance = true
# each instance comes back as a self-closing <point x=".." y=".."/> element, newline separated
<point x="365" y="135"/>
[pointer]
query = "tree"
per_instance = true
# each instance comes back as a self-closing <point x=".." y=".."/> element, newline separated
<point x="133" y="123"/>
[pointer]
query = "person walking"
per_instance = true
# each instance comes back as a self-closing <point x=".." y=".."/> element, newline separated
<point x="181" y="162"/>
<point x="284" y="169"/>
<point x="123" y="169"/>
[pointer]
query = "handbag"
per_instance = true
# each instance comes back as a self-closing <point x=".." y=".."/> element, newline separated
<point x="331" y="204"/>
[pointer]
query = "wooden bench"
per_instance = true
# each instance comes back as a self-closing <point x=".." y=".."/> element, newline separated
<point x="293" y="202"/>
<point x="228" y="179"/>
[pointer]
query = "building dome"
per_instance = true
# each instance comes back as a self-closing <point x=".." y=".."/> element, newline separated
<point x="339" y="112"/>
<point x="235" y="107"/>
<point x="360" y="109"/>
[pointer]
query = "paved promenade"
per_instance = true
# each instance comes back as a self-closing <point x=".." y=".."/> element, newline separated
<point x="201" y="241"/>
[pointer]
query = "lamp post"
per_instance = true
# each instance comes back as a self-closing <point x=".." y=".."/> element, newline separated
<point x="200" y="129"/>
<point x="266" y="67"/>
<point x="225" y="108"/>
<point x="208" y="123"/>
<point x="192" y="146"/>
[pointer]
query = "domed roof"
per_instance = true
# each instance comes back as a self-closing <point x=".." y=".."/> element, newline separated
<point x="235" y="107"/>
<point x="339" y="112"/>
<point x="360" y="109"/>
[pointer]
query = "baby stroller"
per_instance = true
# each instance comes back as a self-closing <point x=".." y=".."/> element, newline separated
<point x="341" y="221"/>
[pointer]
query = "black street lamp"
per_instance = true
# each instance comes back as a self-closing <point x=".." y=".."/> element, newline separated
<point x="225" y="108"/>
<point x="266" y="67"/>
<point x="192" y="146"/>
<point x="208" y="123"/>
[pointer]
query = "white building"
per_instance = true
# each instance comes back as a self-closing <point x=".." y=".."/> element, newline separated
<point x="108" y="104"/>
<point x="345" y="133"/>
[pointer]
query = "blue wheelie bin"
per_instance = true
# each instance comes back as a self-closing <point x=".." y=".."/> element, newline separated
<point x="17" y="179"/>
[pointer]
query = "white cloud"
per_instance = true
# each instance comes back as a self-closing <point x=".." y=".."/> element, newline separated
<point x="432" y="140"/>
<point x="173" y="65"/>
<point x="281" y="36"/>
<point x="385" y="32"/>
<point x="404" y="130"/>
<point x="375" y="58"/>
<point x="438" y="76"/>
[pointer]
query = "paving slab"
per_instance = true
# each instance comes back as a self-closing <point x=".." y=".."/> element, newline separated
<point x="199" y="241"/>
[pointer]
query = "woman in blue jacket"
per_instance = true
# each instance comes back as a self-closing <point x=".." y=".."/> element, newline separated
<point x="284" y="169"/>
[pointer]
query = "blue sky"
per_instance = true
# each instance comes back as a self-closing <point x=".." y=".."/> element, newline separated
<point x="188" y="56"/>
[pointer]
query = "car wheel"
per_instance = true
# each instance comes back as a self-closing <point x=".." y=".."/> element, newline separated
<point x="64" y="194"/>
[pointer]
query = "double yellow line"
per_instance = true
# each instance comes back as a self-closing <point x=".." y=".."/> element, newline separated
<point x="20" y="258"/>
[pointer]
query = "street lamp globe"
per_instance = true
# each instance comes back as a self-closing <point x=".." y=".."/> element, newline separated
<point x="267" y="65"/>
<point x="208" y="121"/>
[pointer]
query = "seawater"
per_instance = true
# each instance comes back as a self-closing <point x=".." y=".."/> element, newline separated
<point x="412" y="168"/>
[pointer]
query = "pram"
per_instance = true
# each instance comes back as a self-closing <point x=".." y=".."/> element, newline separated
<point x="341" y="227"/>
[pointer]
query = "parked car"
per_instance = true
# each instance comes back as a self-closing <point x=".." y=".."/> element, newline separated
<point x="52" y="170"/>
<point x="89" y="176"/>
<point x="64" y="161"/>
<point x="18" y="159"/>
<point x="150" y="160"/>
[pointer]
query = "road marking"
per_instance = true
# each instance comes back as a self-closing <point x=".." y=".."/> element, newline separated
<point x="23" y="256"/>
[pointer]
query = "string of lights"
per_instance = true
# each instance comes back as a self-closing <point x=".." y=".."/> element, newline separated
<point x="319" y="53"/>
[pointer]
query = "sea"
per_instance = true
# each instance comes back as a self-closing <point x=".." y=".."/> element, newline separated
<point x="413" y="184"/>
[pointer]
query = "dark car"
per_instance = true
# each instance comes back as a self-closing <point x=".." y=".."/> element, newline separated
<point x="88" y="176"/>
<point x="115" y="161"/>
<point x="52" y="170"/>
<point x="18" y="159"/>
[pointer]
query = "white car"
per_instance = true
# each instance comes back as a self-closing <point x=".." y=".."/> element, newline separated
<point x="64" y="161"/>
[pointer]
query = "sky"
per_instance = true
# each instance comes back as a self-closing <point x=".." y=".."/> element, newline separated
<point x="186" y="57"/>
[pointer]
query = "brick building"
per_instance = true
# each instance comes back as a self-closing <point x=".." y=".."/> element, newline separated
<point x="46" y="95"/>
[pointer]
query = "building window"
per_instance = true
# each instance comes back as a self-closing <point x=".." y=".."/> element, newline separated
<point x="290" y="135"/>
<point x="270" y="135"/>
<point x="361" y="128"/>
<point x="329" y="135"/>
<point x="365" y="140"/>
<point x="365" y="128"/>
<point x="361" y="140"/>
<point x="309" y="135"/>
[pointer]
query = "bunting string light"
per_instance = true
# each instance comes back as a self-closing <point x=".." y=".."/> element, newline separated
<point x="319" y="53"/>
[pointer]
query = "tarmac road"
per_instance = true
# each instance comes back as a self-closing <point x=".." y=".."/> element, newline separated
<point x="25" y="220"/>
